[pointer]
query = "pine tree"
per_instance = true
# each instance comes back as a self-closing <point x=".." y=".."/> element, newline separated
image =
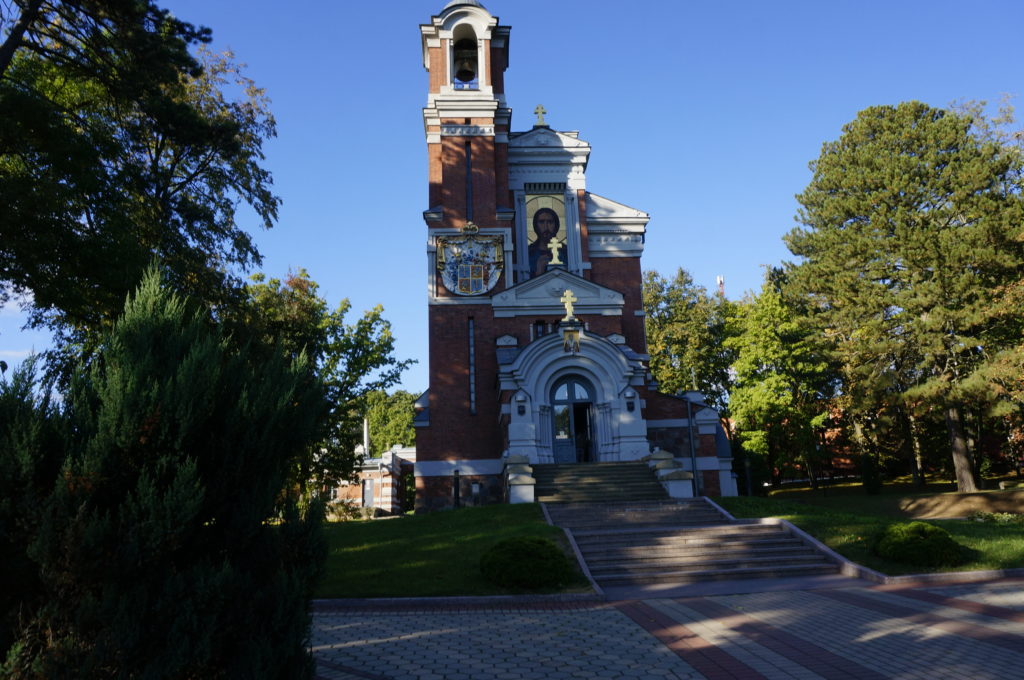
<point x="151" y="531"/>
<point x="911" y="223"/>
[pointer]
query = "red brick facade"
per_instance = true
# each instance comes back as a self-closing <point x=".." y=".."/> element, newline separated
<point x="480" y="176"/>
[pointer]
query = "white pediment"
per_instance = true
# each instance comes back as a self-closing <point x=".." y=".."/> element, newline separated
<point x="541" y="296"/>
<point x="543" y="155"/>
<point x="601" y="209"/>
<point x="615" y="229"/>
<point x="542" y="137"/>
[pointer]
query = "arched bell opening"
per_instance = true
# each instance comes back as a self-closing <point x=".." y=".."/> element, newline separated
<point x="465" y="59"/>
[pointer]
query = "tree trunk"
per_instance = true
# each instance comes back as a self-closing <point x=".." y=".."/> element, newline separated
<point x="915" y="441"/>
<point x="29" y="14"/>
<point x="810" y="472"/>
<point x="965" y="481"/>
<point x="773" y="469"/>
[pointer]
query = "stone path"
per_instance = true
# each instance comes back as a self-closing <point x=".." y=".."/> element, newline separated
<point x="949" y="632"/>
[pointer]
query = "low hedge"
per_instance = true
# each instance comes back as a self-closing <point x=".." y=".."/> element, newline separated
<point x="918" y="543"/>
<point x="526" y="563"/>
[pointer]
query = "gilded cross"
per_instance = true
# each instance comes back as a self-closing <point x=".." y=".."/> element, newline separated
<point x="567" y="299"/>
<point x="553" y="246"/>
<point x="540" y="115"/>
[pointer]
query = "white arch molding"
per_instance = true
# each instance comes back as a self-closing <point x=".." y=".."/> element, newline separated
<point x="620" y="431"/>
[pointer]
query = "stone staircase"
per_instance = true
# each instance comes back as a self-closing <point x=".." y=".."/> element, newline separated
<point x="596" y="483"/>
<point x="682" y="542"/>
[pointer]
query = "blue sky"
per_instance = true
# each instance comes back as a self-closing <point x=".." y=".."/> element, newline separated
<point x="705" y="115"/>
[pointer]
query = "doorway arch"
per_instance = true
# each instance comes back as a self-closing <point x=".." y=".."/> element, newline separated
<point x="572" y="420"/>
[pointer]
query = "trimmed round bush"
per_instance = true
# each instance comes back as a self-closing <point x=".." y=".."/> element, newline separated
<point x="526" y="563"/>
<point x="918" y="543"/>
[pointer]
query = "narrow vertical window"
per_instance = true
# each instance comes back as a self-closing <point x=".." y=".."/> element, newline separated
<point x="472" y="369"/>
<point x="469" y="182"/>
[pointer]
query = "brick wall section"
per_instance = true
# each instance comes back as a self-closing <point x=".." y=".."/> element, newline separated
<point x="662" y="406"/>
<point x="438" y="66"/>
<point x="502" y="195"/>
<point x="711" y="487"/>
<point x="454" y="433"/>
<point x="484" y="188"/>
<point x="453" y="180"/>
<point x="434" y="173"/>
<point x="436" y="493"/>
<point x="623" y="274"/>
<point x="496" y="58"/>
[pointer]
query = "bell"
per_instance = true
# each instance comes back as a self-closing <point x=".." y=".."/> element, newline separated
<point x="465" y="61"/>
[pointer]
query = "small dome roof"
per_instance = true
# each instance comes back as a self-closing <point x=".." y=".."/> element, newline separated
<point x="460" y="3"/>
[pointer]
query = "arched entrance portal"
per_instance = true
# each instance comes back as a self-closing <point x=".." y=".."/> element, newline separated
<point x="572" y="420"/>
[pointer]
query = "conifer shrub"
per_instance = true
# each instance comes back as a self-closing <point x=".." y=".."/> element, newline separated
<point x="918" y="543"/>
<point x="526" y="563"/>
<point x="143" y="513"/>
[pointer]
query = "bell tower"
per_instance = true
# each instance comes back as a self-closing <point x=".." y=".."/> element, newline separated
<point x="466" y="119"/>
<point x="536" y="336"/>
<point x="469" y="253"/>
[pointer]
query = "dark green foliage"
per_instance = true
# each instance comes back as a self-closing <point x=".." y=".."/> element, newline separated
<point x="911" y="228"/>
<point x="870" y="475"/>
<point x="526" y="563"/>
<point x="918" y="543"/>
<point x="352" y="360"/>
<point x="686" y="330"/>
<point x="117" y="145"/>
<point x="144" y="516"/>
<point x="782" y="381"/>
<point x="390" y="419"/>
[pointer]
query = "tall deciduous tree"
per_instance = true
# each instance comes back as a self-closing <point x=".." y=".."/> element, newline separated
<point x="351" y="359"/>
<point x="390" y="419"/>
<point x="686" y="330"/>
<point x="783" y="382"/>
<point x="911" y="222"/>
<point x="143" y="518"/>
<point x="117" y="147"/>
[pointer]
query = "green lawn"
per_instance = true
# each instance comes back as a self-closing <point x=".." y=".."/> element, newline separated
<point x="425" y="555"/>
<point x="900" y="499"/>
<point x="849" y="533"/>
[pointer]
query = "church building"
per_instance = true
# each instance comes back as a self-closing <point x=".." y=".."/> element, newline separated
<point x="536" y="327"/>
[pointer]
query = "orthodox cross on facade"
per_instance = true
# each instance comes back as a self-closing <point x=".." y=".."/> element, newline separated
<point x="554" y="246"/>
<point x="540" y="111"/>
<point x="568" y="299"/>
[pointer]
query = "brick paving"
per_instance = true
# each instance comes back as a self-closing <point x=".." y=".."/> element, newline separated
<point x="949" y="632"/>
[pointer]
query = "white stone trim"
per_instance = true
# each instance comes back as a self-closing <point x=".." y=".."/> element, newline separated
<point x="467" y="130"/>
<point x="445" y="468"/>
<point x="544" y="155"/>
<point x="615" y="229"/>
<point x="540" y="296"/>
<point x="619" y="434"/>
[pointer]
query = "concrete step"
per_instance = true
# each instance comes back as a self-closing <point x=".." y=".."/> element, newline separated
<point x="705" y="563"/>
<point x="611" y="496"/>
<point x="682" y="542"/>
<point x="602" y="556"/>
<point x="680" y="523"/>
<point x="663" y="534"/>
<point x="596" y="482"/>
<point x="696" y="576"/>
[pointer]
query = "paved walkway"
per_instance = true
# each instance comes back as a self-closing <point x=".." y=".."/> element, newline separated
<point x="949" y="632"/>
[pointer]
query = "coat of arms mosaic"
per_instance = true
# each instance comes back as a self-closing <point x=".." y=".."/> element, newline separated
<point x="471" y="263"/>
